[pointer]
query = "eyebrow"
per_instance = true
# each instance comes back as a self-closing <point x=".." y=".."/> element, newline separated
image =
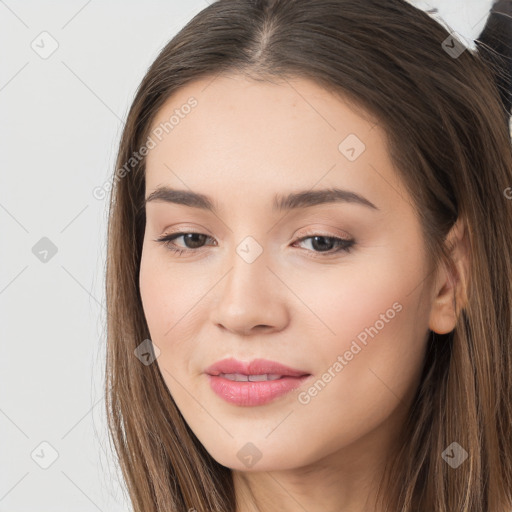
<point x="292" y="201"/>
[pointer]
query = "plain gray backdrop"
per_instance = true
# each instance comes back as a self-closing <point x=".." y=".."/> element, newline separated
<point x="68" y="74"/>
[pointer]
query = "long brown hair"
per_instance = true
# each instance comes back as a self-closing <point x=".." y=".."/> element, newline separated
<point x="445" y="134"/>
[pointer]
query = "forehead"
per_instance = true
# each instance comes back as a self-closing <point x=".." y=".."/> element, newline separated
<point x="260" y="137"/>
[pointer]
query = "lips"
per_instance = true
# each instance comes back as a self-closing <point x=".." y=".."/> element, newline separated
<point x="255" y="383"/>
<point x="255" y="367"/>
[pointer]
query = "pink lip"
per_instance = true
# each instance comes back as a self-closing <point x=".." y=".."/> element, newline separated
<point x="254" y="367"/>
<point x="253" y="393"/>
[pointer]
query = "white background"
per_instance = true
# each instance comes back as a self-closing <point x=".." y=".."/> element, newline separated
<point x="60" y="122"/>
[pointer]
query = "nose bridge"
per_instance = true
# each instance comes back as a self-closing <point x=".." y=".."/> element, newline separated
<point x="248" y="277"/>
<point x="249" y="296"/>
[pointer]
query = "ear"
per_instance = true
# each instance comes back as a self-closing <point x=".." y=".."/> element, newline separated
<point x="450" y="287"/>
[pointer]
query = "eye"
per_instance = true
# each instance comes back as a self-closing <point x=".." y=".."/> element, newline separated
<point x="194" y="241"/>
<point x="328" y="244"/>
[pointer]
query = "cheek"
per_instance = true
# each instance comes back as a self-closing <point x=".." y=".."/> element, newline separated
<point x="154" y="296"/>
<point x="365" y="370"/>
<point x="167" y="294"/>
<point x="170" y="299"/>
<point x="370" y="329"/>
<point x="377" y="293"/>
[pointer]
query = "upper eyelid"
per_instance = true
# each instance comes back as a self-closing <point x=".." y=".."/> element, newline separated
<point x="179" y="233"/>
<point x="316" y="230"/>
<point x="310" y="233"/>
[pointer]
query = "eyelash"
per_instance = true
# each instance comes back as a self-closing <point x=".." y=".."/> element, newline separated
<point x="344" y="245"/>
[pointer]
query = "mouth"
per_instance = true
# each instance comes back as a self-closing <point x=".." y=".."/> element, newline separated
<point x="240" y="377"/>
<point x="253" y="383"/>
<point x="254" y="368"/>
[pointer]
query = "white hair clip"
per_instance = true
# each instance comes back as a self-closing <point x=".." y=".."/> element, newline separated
<point x="493" y="42"/>
<point x="459" y="30"/>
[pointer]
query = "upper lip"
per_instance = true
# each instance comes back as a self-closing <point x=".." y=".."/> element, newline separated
<point x="254" y="367"/>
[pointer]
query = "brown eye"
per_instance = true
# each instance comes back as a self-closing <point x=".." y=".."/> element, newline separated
<point x="192" y="241"/>
<point x="328" y="244"/>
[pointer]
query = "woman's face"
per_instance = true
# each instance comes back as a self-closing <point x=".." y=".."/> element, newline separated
<point x="327" y="284"/>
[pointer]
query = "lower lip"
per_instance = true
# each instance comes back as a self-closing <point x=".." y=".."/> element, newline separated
<point x="253" y="393"/>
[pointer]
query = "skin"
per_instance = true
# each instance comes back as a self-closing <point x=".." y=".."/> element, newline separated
<point x="242" y="143"/>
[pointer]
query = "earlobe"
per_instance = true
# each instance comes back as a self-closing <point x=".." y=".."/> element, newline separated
<point x="450" y="291"/>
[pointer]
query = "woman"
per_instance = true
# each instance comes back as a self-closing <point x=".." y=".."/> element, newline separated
<point x="309" y="273"/>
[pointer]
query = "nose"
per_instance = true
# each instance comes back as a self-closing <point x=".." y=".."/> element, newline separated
<point x="250" y="299"/>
